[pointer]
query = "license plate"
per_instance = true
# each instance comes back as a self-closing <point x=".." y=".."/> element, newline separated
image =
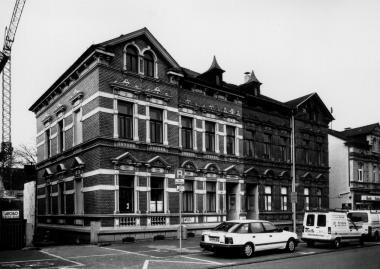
<point x="214" y="239"/>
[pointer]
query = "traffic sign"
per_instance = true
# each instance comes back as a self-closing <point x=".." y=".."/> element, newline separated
<point x="180" y="188"/>
<point x="180" y="173"/>
<point x="179" y="181"/>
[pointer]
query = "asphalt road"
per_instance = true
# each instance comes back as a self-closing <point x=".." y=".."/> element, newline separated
<point x="166" y="254"/>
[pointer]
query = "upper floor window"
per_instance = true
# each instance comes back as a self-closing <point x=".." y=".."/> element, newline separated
<point x="210" y="136"/>
<point x="132" y="59"/>
<point x="360" y="172"/>
<point x="60" y="136"/>
<point x="187" y="133"/>
<point x="249" y="147"/>
<point x="283" y="148"/>
<point x="47" y="143"/>
<point x="319" y="198"/>
<point x="267" y="146"/>
<point x="148" y="64"/>
<point x="230" y="140"/>
<point x="125" y="119"/>
<point x="306" y="144"/>
<point x="77" y="121"/>
<point x="156" y="125"/>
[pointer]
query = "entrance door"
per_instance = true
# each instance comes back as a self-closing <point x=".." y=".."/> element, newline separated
<point x="231" y="190"/>
<point x="251" y="201"/>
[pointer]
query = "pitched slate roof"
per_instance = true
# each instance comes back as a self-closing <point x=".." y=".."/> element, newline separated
<point x="363" y="130"/>
<point x="298" y="101"/>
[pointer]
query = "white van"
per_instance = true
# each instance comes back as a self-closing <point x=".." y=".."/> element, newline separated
<point x="369" y="220"/>
<point x="330" y="227"/>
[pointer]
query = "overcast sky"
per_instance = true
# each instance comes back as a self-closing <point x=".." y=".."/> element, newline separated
<point x="330" y="47"/>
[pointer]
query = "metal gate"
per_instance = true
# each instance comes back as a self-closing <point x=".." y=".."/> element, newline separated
<point x="12" y="234"/>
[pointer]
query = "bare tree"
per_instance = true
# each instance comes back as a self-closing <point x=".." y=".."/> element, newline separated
<point x="24" y="155"/>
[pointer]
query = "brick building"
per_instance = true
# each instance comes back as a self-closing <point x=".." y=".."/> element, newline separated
<point x="114" y="127"/>
<point x="355" y="162"/>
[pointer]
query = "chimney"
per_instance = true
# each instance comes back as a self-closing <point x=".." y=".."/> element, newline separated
<point x="246" y="77"/>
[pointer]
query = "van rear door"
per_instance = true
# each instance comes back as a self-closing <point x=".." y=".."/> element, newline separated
<point x="321" y="225"/>
<point x="309" y="224"/>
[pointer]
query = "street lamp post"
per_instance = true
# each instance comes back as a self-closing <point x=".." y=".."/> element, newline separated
<point x="293" y="153"/>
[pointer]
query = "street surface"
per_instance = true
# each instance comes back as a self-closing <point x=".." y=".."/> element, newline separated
<point x="166" y="254"/>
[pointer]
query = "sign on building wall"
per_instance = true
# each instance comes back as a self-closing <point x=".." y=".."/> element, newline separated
<point x="11" y="214"/>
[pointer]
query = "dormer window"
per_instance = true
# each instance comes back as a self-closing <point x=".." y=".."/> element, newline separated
<point x="148" y="64"/>
<point x="132" y="59"/>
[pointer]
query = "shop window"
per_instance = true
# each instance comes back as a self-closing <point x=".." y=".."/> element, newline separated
<point x="268" y="198"/>
<point x="211" y="196"/>
<point x="61" y="196"/>
<point x="126" y="194"/>
<point x="284" y="199"/>
<point x="156" y="194"/>
<point x="188" y="197"/>
<point x="125" y="119"/>
<point x="306" y="194"/>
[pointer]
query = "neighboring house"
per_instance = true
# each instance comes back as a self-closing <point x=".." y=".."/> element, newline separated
<point x="114" y="127"/>
<point x="355" y="160"/>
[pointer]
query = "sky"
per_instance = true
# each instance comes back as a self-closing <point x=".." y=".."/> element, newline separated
<point x="295" y="47"/>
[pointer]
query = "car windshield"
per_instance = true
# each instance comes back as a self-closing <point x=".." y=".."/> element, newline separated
<point x="358" y="216"/>
<point x="225" y="226"/>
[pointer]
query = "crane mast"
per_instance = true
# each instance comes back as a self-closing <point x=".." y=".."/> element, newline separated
<point x="6" y="94"/>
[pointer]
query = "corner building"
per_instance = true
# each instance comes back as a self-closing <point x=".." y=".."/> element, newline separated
<point x="114" y="127"/>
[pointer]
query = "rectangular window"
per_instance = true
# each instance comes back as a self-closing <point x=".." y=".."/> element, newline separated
<point x="61" y="136"/>
<point x="48" y="200"/>
<point x="284" y="199"/>
<point x="156" y="125"/>
<point x="230" y="140"/>
<point x="267" y="146"/>
<point x="319" y="153"/>
<point x="360" y="172"/>
<point x="156" y="194"/>
<point x="125" y="119"/>
<point x="310" y="220"/>
<point x="61" y="195"/>
<point x="188" y="197"/>
<point x="211" y="196"/>
<point x="47" y="143"/>
<point x="77" y="121"/>
<point x="249" y="147"/>
<point x="321" y="221"/>
<point x="268" y="198"/>
<point x="319" y="198"/>
<point x="210" y="136"/>
<point x="126" y="194"/>
<point x="78" y="196"/>
<point x="306" y="149"/>
<point x="307" y="198"/>
<point x="187" y="133"/>
<point x="283" y="148"/>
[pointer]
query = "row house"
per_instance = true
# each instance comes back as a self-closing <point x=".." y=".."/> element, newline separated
<point x="112" y="130"/>
<point x="355" y="167"/>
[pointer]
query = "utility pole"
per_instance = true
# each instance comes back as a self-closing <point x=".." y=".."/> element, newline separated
<point x="293" y="157"/>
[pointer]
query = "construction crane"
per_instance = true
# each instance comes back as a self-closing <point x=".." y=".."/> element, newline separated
<point x="6" y="96"/>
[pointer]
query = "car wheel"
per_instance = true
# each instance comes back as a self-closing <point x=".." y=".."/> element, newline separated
<point x="291" y="245"/>
<point x="336" y="243"/>
<point x="248" y="250"/>
<point x="310" y="243"/>
<point x="376" y="237"/>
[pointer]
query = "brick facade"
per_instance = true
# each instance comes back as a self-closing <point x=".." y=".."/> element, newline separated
<point x="224" y="180"/>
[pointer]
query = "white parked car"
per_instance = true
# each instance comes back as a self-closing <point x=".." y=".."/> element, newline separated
<point x="248" y="236"/>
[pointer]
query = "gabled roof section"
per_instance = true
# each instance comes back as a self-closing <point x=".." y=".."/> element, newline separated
<point x="363" y="130"/>
<point x="298" y="102"/>
<point x="142" y="32"/>
<point x="158" y="161"/>
<point x="127" y="158"/>
<point x="337" y="134"/>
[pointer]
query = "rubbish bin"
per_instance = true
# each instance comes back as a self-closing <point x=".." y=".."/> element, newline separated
<point x="184" y="231"/>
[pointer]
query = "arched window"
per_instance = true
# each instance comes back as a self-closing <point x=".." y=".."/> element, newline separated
<point x="148" y="64"/>
<point x="132" y="59"/>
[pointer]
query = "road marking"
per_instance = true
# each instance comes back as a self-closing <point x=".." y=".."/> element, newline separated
<point x="133" y="253"/>
<point x="29" y="261"/>
<point x="305" y="253"/>
<point x="95" y="255"/>
<point x="192" y="258"/>
<point x="59" y="257"/>
<point x="146" y="264"/>
<point x="179" y="261"/>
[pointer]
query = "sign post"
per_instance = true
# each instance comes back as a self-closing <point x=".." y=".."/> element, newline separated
<point x="180" y="181"/>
